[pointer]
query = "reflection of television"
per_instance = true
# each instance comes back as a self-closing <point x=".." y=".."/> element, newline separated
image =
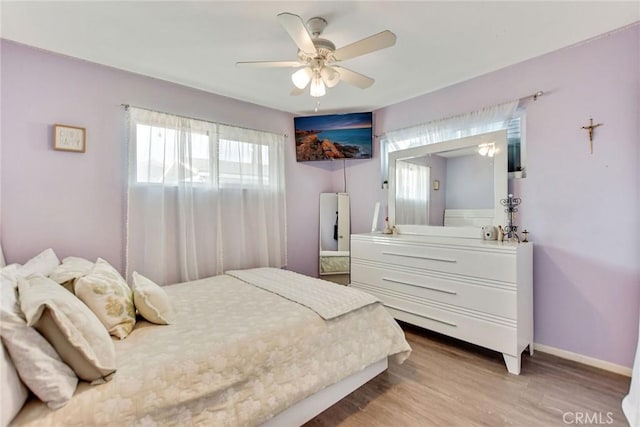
<point x="335" y="136"/>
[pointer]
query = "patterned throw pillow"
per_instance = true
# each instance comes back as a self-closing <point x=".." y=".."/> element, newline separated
<point x="151" y="300"/>
<point x="106" y="293"/>
<point x="71" y="328"/>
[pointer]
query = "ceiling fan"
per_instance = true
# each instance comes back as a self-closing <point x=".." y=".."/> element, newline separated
<point x="316" y="56"/>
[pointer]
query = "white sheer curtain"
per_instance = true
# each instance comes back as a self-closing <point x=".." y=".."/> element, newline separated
<point x="184" y="183"/>
<point x="412" y="199"/>
<point x="252" y="195"/>
<point x="488" y="119"/>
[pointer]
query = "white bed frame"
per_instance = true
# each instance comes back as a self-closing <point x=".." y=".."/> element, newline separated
<point x="306" y="409"/>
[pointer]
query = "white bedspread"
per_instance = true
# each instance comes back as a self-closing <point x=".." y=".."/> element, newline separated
<point x="235" y="356"/>
<point x="327" y="299"/>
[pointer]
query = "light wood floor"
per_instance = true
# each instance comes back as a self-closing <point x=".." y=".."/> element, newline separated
<point x="449" y="383"/>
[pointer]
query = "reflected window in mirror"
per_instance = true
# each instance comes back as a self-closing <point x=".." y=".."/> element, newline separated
<point x="412" y="199"/>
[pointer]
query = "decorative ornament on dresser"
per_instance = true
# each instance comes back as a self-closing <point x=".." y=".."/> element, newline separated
<point x="489" y="232"/>
<point x="387" y="227"/>
<point x="511" y="203"/>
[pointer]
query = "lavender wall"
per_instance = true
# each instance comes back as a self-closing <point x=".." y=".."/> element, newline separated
<point x="582" y="209"/>
<point x="75" y="202"/>
<point x="305" y="182"/>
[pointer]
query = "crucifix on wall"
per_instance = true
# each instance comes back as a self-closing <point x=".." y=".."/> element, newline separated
<point x="590" y="128"/>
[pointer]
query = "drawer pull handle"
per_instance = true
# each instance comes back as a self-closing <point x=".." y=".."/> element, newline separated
<point x="420" y="257"/>
<point x="435" y="319"/>
<point x="446" y="291"/>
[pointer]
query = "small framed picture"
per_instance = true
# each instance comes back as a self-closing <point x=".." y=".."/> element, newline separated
<point x="69" y="138"/>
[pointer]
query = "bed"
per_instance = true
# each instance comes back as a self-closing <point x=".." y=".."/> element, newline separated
<point x="238" y="353"/>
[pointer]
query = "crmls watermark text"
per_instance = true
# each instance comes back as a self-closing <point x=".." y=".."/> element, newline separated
<point x="588" y="418"/>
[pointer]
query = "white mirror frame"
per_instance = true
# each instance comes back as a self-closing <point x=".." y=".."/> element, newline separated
<point x="500" y="185"/>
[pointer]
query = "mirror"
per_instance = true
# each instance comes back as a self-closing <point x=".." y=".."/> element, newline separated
<point x="451" y="188"/>
<point x="334" y="261"/>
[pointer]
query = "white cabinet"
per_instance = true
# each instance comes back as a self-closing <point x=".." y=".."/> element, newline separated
<point x="474" y="290"/>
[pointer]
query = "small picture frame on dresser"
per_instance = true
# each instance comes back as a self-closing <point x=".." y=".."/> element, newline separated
<point x="69" y="138"/>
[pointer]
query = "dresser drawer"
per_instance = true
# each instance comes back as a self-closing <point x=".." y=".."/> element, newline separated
<point x="467" y="293"/>
<point x="493" y="265"/>
<point x="498" y="336"/>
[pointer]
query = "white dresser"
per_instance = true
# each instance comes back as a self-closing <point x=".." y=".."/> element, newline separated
<point x="470" y="289"/>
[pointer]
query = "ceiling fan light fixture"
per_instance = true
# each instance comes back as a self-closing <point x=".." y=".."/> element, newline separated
<point x="317" y="87"/>
<point x="302" y="77"/>
<point x="330" y="77"/>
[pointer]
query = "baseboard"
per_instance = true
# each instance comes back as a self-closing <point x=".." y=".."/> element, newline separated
<point x="585" y="360"/>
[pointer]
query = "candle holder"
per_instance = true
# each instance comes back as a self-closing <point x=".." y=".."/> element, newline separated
<point x="511" y="204"/>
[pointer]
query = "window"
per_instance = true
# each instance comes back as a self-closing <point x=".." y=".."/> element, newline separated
<point x="203" y="197"/>
<point x="166" y="156"/>
<point x="159" y="157"/>
<point x="515" y="142"/>
<point x="243" y="164"/>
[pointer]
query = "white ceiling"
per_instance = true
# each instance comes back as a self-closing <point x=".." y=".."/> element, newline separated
<point x="198" y="43"/>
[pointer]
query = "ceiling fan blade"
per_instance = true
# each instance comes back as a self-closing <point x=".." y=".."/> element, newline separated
<point x="297" y="31"/>
<point x="270" y="64"/>
<point x="353" y="78"/>
<point x="296" y="91"/>
<point x="370" y="44"/>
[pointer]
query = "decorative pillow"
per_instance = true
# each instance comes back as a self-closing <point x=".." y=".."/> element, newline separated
<point x="9" y="275"/>
<point x="43" y="263"/>
<point x="71" y="269"/>
<point x="151" y="300"/>
<point x="106" y="293"/>
<point x="9" y="288"/>
<point x="37" y="363"/>
<point x="12" y="390"/>
<point x="69" y="325"/>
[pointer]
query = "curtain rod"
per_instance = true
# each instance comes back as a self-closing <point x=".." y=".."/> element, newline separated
<point x="127" y="106"/>
<point x="535" y="96"/>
